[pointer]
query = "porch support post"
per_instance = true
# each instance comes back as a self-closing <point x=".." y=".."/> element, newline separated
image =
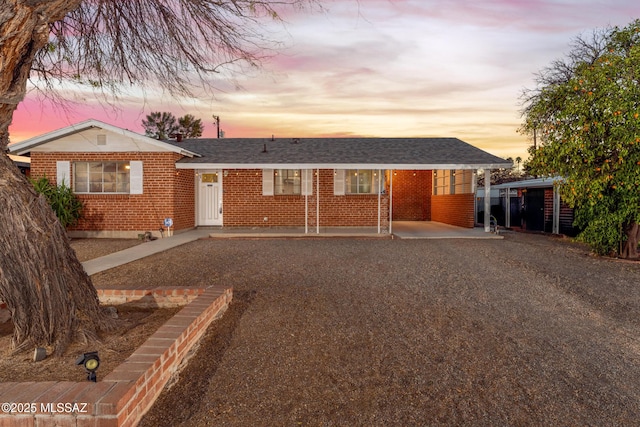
<point x="487" y="200"/>
<point x="507" y="209"/>
<point x="318" y="201"/>
<point x="390" y="201"/>
<point x="379" y="195"/>
<point x="306" y="214"/>
<point x="556" y="211"/>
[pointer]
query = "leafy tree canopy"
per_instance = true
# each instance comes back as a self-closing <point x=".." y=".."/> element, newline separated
<point x="190" y="127"/>
<point x="585" y="113"/>
<point x="160" y="125"/>
<point x="164" y="125"/>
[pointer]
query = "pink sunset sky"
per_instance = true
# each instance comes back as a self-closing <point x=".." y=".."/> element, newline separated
<point x="386" y="68"/>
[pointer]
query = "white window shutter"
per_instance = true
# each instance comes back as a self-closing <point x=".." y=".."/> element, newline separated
<point x="135" y="177"/>
<point x="338" y="182"/>
<point x="267" y="182"/>
<point x="307" y="182"/>
<point x="63" y="173"/>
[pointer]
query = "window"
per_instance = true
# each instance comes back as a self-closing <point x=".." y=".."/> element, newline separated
<point x="459" y="181"/>
<point x="463" y="181"/>
<point x="287" y="181"/>
<point x="363" y="181"/>
<point x="101" y="177"/>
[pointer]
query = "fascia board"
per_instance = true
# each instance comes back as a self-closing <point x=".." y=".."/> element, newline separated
<point x="196" y="165"/>
<point x="27" y="145"/>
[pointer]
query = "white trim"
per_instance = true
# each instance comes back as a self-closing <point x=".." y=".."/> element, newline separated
<point x="390" y="201"/>
<point x="394" y="166"/>
<point x="307" y="182"/>
<point x="339" y="182"/>
<point x="556" y="210"/>
<point x="216" y="217"/>
<point x="63" y="173"/>
<point x="531" y="183"/>
<point x="135" y="177"/>
<point x="487" y="200"/>
<point x="267" y="182"/>
<point x="379" y="196"/>
<point x="27" y="145"/>
<point x="306" y="214"/>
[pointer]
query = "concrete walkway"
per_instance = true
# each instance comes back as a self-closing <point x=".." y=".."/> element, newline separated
<point x="294" y="232"/>
<point x="438" y="230"/>
<point x="134" y="253"/>
<point x="400" y="229"/>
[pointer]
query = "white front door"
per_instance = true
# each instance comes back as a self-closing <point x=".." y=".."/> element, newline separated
<point x="210" y="197"/>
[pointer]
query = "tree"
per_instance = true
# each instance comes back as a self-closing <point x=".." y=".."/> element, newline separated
<point x="190" y="127"/>
<point x="586" y="114"/>
<point x="65" y="204"/>
<point x="518" y="161"/>
<point x="107" y="45"/>
<point x="160" y="125"/>
<point x="163" y="125"/>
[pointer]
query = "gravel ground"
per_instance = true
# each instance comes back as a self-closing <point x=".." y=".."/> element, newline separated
<point x="87" y="249"/>
<point x="529" y="330"/>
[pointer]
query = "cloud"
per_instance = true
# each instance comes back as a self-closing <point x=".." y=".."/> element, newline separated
<point x="378" y="68"/>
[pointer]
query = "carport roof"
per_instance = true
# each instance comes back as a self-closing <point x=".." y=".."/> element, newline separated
<point x="338" y="153"/>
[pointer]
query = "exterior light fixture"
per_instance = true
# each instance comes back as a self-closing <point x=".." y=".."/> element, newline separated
<point x="91" y="362"/>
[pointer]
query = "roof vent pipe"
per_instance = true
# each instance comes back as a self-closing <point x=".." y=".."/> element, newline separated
<point x="264" y="149"/>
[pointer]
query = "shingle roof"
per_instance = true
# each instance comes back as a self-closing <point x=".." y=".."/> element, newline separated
<point x="397" y="153"/>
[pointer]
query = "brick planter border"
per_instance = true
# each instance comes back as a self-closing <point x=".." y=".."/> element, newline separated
<point x="127" y="393"/>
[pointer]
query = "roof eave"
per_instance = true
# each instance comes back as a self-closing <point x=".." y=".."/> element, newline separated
<point x="26" y="146"/>
<point x="394" y="166"/>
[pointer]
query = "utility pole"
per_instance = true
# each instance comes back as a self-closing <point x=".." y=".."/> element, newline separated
<point x="217" y="123"/>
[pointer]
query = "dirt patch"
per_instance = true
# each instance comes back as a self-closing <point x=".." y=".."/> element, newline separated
<point x="87" y="249"/>
<point x="529" y="330"/>
<point x="525" y="331"/>
<point x="136" y="325"/>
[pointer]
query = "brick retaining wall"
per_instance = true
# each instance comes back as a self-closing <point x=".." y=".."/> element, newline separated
<point x="127" y="393"/>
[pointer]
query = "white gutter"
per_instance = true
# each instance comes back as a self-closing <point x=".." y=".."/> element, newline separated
<point x="391" y="166"/>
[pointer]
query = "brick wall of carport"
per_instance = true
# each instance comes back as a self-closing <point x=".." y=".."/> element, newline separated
<point x="453" y="209"/>
<point x="412" y="195"/>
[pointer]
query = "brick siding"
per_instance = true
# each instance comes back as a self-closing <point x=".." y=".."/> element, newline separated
<point x="412" y="195"/>
<point x="244" y="204"/>
<point x="454" y="209"/>
<point x="167" y="193"/>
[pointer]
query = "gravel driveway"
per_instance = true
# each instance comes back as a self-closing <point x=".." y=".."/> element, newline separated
<point x="529" y="330"/>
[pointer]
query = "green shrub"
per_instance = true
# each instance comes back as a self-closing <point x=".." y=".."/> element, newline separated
<point x="65" y="204"/>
